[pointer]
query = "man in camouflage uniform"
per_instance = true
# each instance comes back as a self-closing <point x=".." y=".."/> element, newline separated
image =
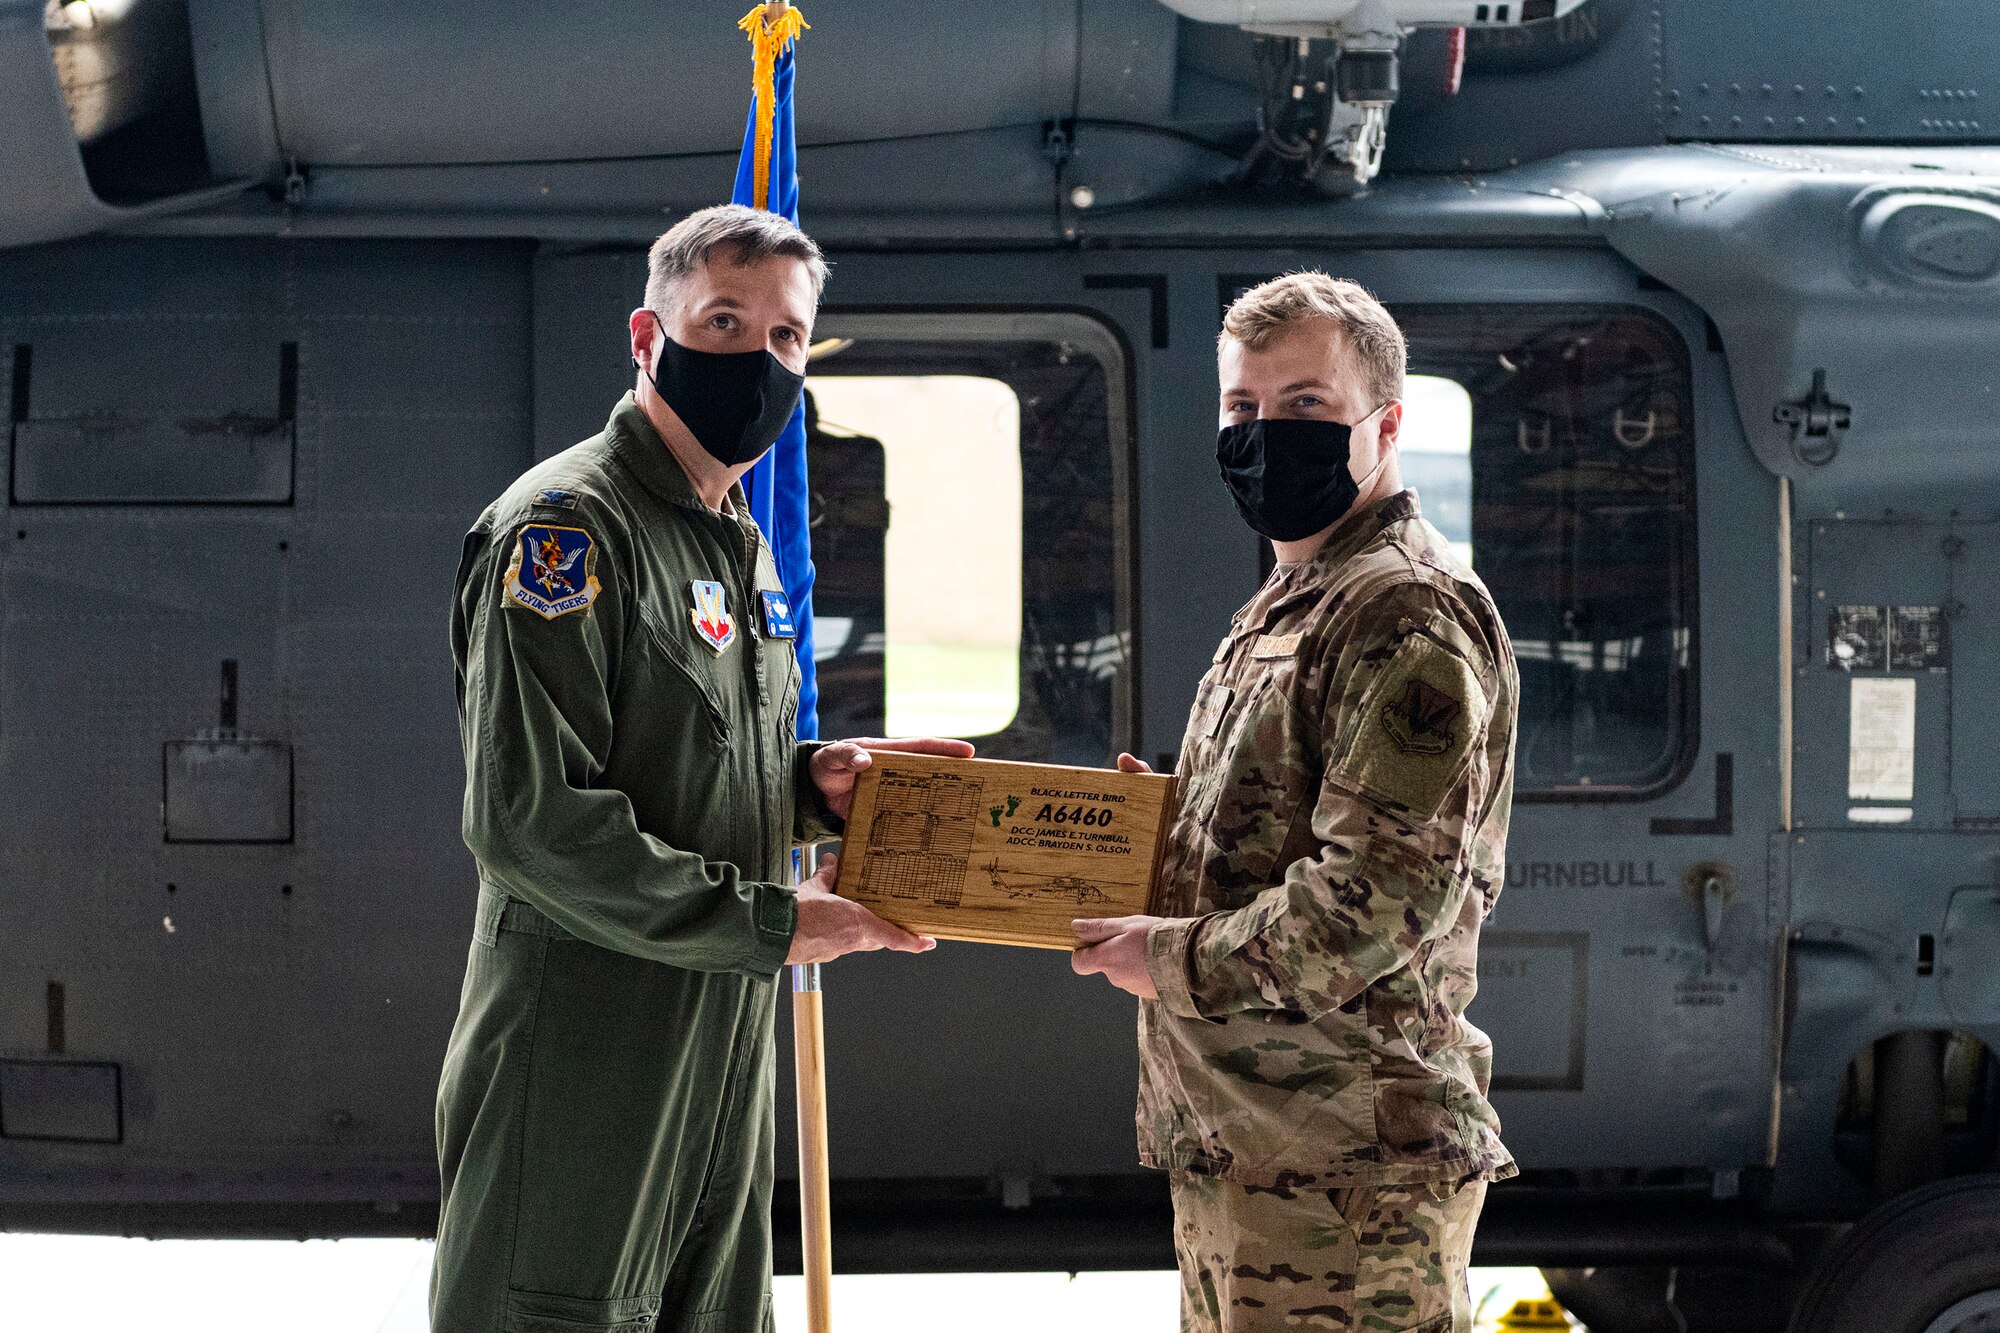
<point x="1307" y="1076"/>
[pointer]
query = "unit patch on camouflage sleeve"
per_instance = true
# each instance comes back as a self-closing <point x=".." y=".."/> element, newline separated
<point x="1420" y="721"/>
<point x="550" y="570"/>
<point x="1417" y="725"/>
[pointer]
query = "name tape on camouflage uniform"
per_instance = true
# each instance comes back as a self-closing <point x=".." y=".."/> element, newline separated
<point x="550" y="570"/>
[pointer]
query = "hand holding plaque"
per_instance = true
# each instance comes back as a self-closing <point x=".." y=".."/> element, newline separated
<point x="1115" y="947"/>
<point x="836" y="766"/>
<point x="831" y="927"/>
<point x="1002" y="853"/>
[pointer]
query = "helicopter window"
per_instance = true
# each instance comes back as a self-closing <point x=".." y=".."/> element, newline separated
<point x="948" y="468"/>
<point x="967" y="530"/>
<point x="1581" y="508"/>
<point x="1435" y="449"/>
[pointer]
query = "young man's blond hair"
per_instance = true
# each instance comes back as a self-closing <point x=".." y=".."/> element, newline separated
<point x="1268" y="309"/>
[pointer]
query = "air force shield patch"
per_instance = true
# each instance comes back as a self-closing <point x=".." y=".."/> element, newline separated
<point x="550" y="572"/>
<point x="710" y="615"/>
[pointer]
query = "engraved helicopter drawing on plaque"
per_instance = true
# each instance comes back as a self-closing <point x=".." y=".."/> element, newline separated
<point x="1019" y="884"/>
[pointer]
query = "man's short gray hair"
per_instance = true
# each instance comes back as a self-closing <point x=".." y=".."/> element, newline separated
<point x="745" y="235"/>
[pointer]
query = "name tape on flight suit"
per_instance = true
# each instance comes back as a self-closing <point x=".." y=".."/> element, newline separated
<point x="778" y="622"/>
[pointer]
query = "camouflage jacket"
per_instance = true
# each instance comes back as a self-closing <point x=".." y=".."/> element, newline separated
<point x="1346" y="779"/>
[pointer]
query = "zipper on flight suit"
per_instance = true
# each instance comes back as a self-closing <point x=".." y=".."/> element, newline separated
<point x="744" y="553"/>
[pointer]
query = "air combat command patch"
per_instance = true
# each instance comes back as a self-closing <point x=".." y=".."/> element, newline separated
<point x="710" y="615"/>
<point x="550" y="572"/>
<point x="1421" y="721"/>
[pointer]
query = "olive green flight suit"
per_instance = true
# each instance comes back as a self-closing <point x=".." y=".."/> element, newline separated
<point x="632" y="796"/>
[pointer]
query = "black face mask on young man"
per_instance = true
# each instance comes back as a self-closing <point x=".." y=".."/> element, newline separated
<point x="735" y="404"/>
<point x="1288" y="475"/>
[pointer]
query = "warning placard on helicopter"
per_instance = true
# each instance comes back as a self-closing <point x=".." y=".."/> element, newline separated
<point x="1002" y="853"/>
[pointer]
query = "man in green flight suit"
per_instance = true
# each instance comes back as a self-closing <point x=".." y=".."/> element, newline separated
<point x="634" y="790"/>
<point x="1307" y="1074"/>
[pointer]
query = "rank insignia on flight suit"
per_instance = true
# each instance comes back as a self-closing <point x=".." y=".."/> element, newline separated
<point x="550" y="571"/>
<point x="710" y="615"/>
<point x="778" y="623"/>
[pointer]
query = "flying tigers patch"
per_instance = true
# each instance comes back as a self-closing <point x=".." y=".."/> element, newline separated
<point x="1417" y="726"/>
<point x="550" y="570"/>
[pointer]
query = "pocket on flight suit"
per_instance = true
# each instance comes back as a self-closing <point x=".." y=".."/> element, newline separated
<point x="721" y="1321"/>
<point x="663" y="647"/>
<point x="542" y="1312"/>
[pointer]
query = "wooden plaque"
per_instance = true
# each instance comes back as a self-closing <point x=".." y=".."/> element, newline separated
<point x="1002" y="853"/>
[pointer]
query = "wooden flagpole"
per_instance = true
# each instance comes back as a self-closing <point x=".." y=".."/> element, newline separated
<point x="815" y="1200"/>
<point x="770" y="30"/>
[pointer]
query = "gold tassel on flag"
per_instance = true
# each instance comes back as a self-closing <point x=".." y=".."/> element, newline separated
<point x="770" y="28"/>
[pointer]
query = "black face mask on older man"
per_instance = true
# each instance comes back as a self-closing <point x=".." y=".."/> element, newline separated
<point x="1288" y="475"/>
<point x="735" y="404"/>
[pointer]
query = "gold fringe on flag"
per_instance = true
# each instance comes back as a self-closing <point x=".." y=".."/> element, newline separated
<point x="771" y="28"/>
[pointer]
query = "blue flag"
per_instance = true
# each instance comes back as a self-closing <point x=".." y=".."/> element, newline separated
<point x="776" y="486"/>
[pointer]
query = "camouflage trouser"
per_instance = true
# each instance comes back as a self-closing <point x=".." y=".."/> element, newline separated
<point x="1375" y="1257"/>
